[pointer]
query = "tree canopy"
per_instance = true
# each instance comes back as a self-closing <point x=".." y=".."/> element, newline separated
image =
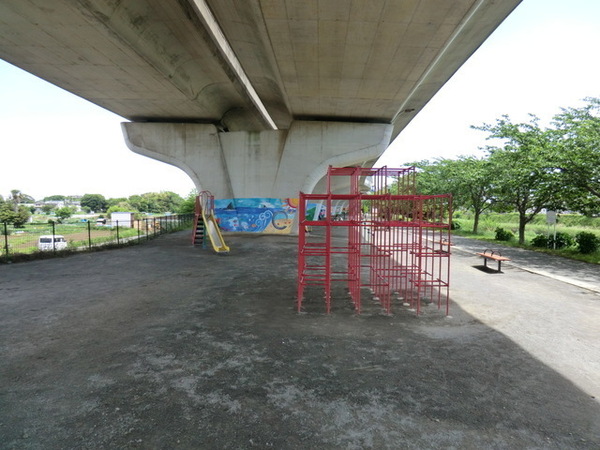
<point x="575" y="155"/>
<point x="95" y="202"/>
<point x="521" y="178"/>
<point x="188" y="205"/>
<point x="466" y="178"/>
<point x="13" y="211"/>
<point x="55" y="198"/>
<point x="65" y="212"/>
<point x="528" y="168"/>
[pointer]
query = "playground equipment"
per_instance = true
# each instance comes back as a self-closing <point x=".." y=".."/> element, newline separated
<point x="393" y="240"/>
<point x="205" y="224"/>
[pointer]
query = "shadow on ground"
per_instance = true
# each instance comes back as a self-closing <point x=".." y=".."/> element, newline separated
<point x="168" y="346"/>
<point x="487" y="269"/>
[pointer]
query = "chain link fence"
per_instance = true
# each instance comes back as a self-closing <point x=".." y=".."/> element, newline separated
<point x="40" y="240"/>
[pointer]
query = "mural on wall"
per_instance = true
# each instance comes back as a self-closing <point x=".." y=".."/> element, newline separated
<point x="317" y="211"/>
<point x="256" y="215"/>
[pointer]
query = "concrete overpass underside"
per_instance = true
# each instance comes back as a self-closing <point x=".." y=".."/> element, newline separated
<point x="251" y="98"/>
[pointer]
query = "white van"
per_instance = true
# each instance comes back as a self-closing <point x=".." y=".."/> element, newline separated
<point x="49" y="242"/>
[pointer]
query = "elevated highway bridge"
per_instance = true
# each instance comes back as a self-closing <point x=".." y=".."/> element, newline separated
<point x="251" y="98"/>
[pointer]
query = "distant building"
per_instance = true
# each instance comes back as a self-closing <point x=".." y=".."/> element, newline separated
<point x="124" y="219"/>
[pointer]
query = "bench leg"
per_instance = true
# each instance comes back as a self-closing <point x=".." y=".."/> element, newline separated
<point x="499" y="263"/>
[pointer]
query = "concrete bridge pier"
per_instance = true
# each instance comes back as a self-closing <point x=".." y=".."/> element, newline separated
<point x="253" y="164"/>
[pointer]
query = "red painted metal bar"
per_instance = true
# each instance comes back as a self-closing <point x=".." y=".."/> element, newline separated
<point x="398" y="242"/>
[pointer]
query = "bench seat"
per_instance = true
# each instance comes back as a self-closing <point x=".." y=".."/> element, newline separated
<point x="493" y="255"/>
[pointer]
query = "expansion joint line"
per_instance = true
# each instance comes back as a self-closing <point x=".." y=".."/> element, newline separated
<point x="221" y="41"/>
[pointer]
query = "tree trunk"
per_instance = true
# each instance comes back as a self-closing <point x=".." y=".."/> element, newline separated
<point x="476" y="221"/>
<point x="522" y="222"/>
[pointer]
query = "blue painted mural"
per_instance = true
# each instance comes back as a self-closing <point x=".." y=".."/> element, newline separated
<point x="256" y="215"/>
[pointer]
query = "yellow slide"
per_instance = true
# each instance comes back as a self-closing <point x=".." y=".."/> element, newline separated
<point x="205" y="203"/>
<point x="214" y="233"/>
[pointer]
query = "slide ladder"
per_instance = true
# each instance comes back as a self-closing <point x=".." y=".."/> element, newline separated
<point x="205" y="224"/>
<point x="198" y="236"/>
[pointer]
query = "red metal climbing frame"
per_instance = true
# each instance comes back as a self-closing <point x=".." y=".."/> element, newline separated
<point x="394" y="241"/>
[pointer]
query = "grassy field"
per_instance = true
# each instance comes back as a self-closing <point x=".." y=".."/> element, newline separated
<point x="25" y="240"/>
<point x="570" y="224"/>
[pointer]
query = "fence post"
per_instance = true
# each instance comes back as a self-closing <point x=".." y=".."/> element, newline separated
<point x="154" y="222"/>
<point x="89" y="225"/>
<point x="138" y="229"/>
<point x="6" y="238"/>
<point x="118" y="240"/>
<point x="53" y="237"/>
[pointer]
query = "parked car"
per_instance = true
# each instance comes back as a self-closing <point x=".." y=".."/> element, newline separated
<point x="50" y="242"/>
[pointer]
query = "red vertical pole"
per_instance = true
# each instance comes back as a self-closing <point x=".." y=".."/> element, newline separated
<point x="328" y="254"/>
<point x="302" y="269"/>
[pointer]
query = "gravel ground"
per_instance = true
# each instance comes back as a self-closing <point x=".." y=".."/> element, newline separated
<point x="163" y="345"/>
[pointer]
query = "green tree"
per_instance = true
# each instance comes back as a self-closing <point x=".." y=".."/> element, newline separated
<point x="430" y="178"/>
<point x="18" y="197"/>
<point x="55" y="198"/>
<point x="95" y="202"/>
<point x="169" y="201"/>
<point x="18" y="218"/>
<point x="467" y="178"/>
<point x="123" y="206"/>
<point x="7" y="214"/>
<point x="64" y="213"/>
<point x="156" y="202"/>
<point x="48" y="208"/>
<point x="523" y="181"/>
<point x="476" y="186"/>
<point x="15" y="198"/>
<point x="115" y="201"/>
<point x="575" y="154"/>
<point x="11" y="211"/>
<point x="139" y="202"/>
<point x="21" y="216"/>
<point x="188" y="206"/>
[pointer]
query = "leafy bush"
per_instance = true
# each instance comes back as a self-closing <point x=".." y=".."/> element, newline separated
<point x="562" y="240"/>
<point x="503" y="235"/>
<point x="540" y="241"/>
<point x="455" y="225"/>
<point x="587" y="242"/>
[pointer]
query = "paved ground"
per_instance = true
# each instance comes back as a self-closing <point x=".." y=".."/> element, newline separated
<point x="573" y="272"/>
<point x="166" y="346"/>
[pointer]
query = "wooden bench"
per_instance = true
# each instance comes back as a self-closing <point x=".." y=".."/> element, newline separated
<point x="494" y="255"/>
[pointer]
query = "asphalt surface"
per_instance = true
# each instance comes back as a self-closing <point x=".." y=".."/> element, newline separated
<point x="577" y="273"/>
<point x="163" y="345"/>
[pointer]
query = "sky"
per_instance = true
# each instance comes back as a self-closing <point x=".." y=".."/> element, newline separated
<point x="541" y="58"/>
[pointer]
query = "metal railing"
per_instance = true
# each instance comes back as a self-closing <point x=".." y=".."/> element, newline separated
<point x="43" y="238"/>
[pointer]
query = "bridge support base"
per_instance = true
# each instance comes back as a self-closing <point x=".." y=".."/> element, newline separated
<point x="247" y="164"/>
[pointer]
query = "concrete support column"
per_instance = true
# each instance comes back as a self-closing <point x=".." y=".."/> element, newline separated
<point x="245" y="164"/>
